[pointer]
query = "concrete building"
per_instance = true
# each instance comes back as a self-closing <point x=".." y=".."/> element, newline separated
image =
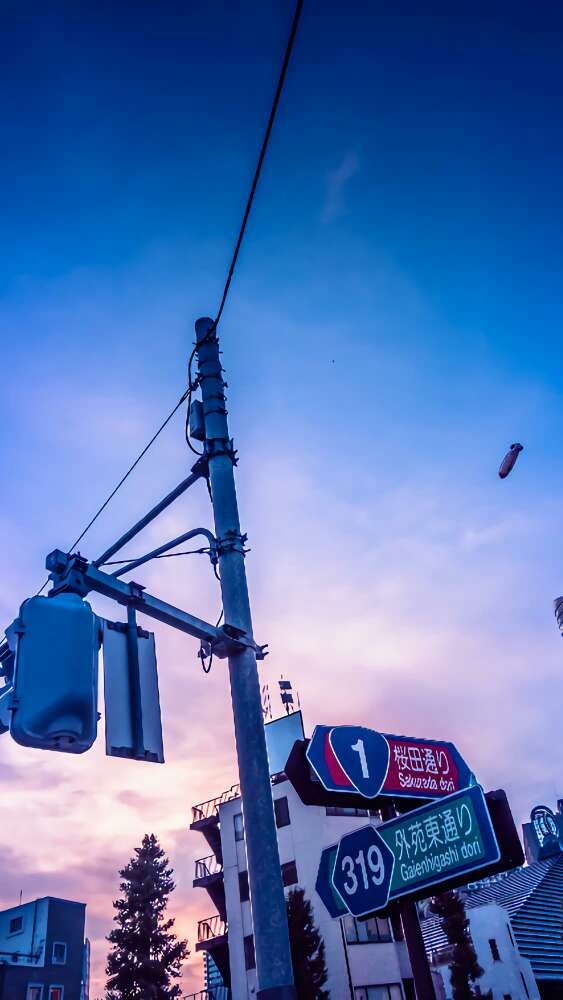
<point x="365" y="961"/>
<point x="43" y="954"/>
<point x="517" y="918"/>
<point x="506" y="973"/>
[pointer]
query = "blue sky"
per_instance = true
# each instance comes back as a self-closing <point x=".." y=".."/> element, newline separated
<point x="394" y="324"/>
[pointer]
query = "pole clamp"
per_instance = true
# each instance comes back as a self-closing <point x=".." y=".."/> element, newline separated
<point x="221" y="446"/>
<point x="232" y="541"/>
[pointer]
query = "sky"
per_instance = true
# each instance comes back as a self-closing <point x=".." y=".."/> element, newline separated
<point x="393" y="326"/>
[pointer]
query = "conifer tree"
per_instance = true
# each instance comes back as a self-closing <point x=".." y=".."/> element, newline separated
<point x="464" y="967"/>
<point x="307" y="948"/>
<point x="146" y="956"/>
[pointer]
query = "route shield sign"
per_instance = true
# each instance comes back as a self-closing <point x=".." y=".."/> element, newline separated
<point x="437" y="843"/>
<point x="324" y="886"/>
<point x="356" y="760"/>
<point x="363" y="869"/>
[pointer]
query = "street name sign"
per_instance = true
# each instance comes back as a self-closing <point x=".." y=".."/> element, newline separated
<point x="444" y="841"/>
<point x="355" y="760"/>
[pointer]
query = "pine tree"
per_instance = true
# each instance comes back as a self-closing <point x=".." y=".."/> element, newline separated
<point x="464" y="967"/>
<point x="307" y="948"/>
<point x="146" y="955"/>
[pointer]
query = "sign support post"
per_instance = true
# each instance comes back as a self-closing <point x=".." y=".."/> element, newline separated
<point x="421" y="973"/>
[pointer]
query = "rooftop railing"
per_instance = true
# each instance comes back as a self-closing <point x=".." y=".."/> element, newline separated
<point x="211" y="808"/>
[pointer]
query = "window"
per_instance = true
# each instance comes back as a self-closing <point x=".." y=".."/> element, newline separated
<point x="289" y="873"/>
<point x="369" y="931"/>
<point x="16" y="925"/>
<point x="281" y="810"/>
<point x="345" y="811"/>
<point x="388" y="992"/>
<point x="506" y="996"/>
<point x="59" y="954"/>
<point x="494" y="949"/>
<point x="55" y="993"/>
<point x="350" y="811"/>
<point x="249" y="958"/>
<point x="239" y="826"/>
<point x="34" y="992"/>
<point x="243" y="887"/>
<point x="524" y="984"/>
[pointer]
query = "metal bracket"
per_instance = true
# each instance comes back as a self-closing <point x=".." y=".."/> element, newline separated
<point x="232" y="541"/>
<point x="74" y="573"/>
<point x="221" y="446"/>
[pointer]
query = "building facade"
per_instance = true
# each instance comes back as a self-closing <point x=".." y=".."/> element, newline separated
<point x="516" y="919"/>
<point x="507" y="975"/>
<point x="365" y="960"/>
<point x="43" y="954"/>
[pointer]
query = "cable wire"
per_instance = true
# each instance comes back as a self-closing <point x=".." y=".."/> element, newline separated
<point x="257" y="172"/>
<point x="261" y="157"/>
<point x="123" y="478"/>
<point x="165" y="555"/>
<point x="249" y="203"/>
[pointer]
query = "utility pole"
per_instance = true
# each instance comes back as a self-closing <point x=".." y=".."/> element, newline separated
<point x="269" y="915"/>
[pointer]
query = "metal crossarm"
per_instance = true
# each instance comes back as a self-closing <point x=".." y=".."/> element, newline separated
<point x="73" y="573"/>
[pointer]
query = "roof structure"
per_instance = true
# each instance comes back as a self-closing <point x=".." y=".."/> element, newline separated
<point x="533" y="899"/>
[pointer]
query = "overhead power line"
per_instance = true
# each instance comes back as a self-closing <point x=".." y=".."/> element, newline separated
<point x="187" y="394"/>
<point x="261" y="157"/>
<point x="123" y="478"/>
<point x="249" y="202"/>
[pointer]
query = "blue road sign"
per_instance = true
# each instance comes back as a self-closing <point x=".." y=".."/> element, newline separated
<point x="363" y="870"/>
<point x="363" y="755"/>
<point x="355" y="760"/>
<point x="441" y="842"/>
<point x="324" y="885"/>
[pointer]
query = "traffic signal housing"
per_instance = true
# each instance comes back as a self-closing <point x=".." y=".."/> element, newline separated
<point x="55" y="687"/>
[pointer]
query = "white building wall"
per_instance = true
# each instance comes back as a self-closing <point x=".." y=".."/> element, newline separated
<point x="309" y="831"/>
<point x="31" y="938"/>
<point x="502" y="976"/>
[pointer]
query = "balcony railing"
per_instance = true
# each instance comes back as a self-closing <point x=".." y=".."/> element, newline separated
<point x="207" y="866"/>
<point x="211" y="808"/>
<point x="217" y="993"/>
<point x="211" y="927"/>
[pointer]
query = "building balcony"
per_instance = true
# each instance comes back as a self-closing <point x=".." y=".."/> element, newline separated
<point x="210" y="932"/>
<point x="209" y="876"/>
<point x="212" y="936"/>
<point x="217" y="993"/>
<point x="205" y="818"/>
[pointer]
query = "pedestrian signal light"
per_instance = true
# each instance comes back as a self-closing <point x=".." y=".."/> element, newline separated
<point x="54" y="701"/>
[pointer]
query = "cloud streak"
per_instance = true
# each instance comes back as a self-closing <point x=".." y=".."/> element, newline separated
<point x="336" y="183"/>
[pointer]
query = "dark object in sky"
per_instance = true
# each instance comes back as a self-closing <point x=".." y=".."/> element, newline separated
<point x="509" y="460"/>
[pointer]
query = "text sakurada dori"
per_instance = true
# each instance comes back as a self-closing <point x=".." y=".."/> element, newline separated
<point x="423" y="768"/>
<point x="443" y="840"/>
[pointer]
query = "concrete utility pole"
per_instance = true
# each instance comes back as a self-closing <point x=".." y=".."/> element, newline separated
<point x="269" y="915"/>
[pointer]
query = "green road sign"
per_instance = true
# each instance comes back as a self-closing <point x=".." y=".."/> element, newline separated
<point x="447" y="838"/>
<point x="441" y="843"/>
